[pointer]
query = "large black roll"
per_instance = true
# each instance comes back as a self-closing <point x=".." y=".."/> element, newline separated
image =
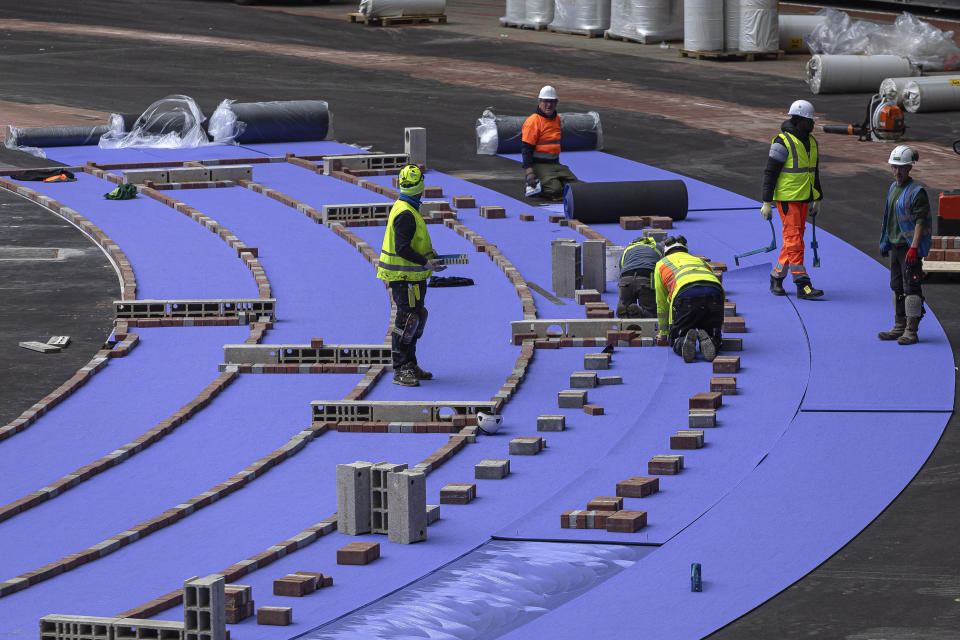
<point x="609" y="201"/>
<point x="578" y="132"/>
<point x="56" y="136"/>
<point x="286" y="121"/>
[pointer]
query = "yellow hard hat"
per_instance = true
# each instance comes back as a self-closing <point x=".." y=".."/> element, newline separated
<point x="411" y="180"/>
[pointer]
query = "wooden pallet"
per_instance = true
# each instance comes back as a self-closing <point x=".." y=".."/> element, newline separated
<point x="521" y="25"/>
<point x="575" y="32"/>
<point x="749" y="56"/>
<point x="940" y="266"/>
<point x="398" y="20"/>
<point x="611" y="36"/>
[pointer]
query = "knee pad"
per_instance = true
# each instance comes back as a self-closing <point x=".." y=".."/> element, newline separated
<point x="406" y="327"/>
<point x="913" y="305"/>
<point x="421" y="322"/>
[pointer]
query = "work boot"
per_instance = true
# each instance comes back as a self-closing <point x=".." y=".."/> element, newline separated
<point x="806" y="291"/>
<point x="708" y="348"/>
<point x="776" y="286"/>
<point x="689" y="348"/>
<point x="421" y="374"/>
<point x="899" y="320"/>
<point x="910" y="332"/>
<point x="406" y="377"/>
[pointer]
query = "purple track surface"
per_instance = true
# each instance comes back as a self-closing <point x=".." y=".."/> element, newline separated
<point x="802" y="459"/>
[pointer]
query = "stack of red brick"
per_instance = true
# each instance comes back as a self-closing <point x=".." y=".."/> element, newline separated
<point x="944" y="249"/>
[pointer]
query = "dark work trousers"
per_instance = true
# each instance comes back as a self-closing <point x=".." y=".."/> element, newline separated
<point x="635" y="289"/>
<point x="553" y="177"/>
<point x="408" y="327"/>
<point x="905" y="278"/>
<point x="697" y="312"/>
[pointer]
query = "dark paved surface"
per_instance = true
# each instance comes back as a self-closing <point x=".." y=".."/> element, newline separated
<point x="900" y="579"/>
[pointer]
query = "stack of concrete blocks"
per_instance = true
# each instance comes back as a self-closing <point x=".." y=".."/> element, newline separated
<point x="565" y="266"/>
<point x="66" y="627"/>
<point x="382" y="498"/>
<point x="594" y="254"/>
<point x="407" y="492"/>
<point x="353" y="498"/>
<point x="415" y="145"/>
<point x="204" y="608"/>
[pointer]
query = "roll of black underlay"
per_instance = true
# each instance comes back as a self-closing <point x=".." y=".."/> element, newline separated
<point x="58" y="136"/>
<point x="578" y="132"/>
<point x="286" y="121"/>
<point x="594" y="202"/>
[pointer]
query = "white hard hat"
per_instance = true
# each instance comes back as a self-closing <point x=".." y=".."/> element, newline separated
<point x="801" y="108"/>
<point x="548" y="93"/>
<point x="489" y="423"/>
<point x="903" y="155"/>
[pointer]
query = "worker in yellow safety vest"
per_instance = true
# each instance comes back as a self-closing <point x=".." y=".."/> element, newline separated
<point x="689" y="302"/>
<point x="792" y="180"/>
<point x="407" y="259"/>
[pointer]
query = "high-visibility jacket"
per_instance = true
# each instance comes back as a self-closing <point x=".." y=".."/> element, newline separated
<point x="673" y="274"/>
<point x="393" y="267"/>
<point x="903" y="207"/>
<point x="798" y="175"/>
<point x="639" y="255"/>
<point x="544" y="134"/>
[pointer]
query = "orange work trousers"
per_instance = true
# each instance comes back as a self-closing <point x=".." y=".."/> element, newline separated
<point x="793" y="216"/>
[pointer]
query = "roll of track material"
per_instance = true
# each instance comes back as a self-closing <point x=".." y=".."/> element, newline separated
<point x="759" y="29"/>
<point x="892" y="88"/>
<point x="731" y="25"/>
<point x="578" y="132"/>
<point x="400" y="8"/>
<point x="854" y="74"/>
<point x="793" y="28"/>
<point x="702" y="25"/>
<point x="56" y="136"/>
<point x="596" y="202"/>
<point x="281" y="121"/>
<point x="940" y="93"/>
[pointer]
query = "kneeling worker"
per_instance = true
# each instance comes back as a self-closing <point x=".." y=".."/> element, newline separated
<point x="541" y="149"/>
<point x="406" y="261"/>
<point x="637" y="297"/>
<point x="689" y="302"/>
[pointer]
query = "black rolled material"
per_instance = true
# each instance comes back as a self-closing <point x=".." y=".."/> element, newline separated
<point x="287" y="121"/>
<point x="609" y="201"/>
<point x="57" y="136"/>
<point x="578" y="132"/>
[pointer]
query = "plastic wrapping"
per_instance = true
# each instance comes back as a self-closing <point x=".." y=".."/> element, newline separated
<point x="940" y="93"/>
<point x="795" y="29"/>
<point x="400" y="8"/>
<point x="539" y="12"/>
<point x="759" y="28"/>
<point x="854" y="74"/>
<point x="279" y="121"/>
<point x="598" y="202"/>
<point x="516" y="12"/>
<point x="501" y="134"/>
<point x="646" y="20"/>
<point x="589" y="17"/>
<point x="174" y="122"/>
<point x="892" y="88"/>
<point x="925" y="45"/>
<point x="731" y="25"/>
<point x="703" y="22"/>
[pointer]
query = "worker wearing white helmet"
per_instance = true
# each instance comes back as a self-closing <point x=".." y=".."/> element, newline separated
<point x="544" y="174"/>
<point x="905" y="238"/>
<point x="792" y="180"/>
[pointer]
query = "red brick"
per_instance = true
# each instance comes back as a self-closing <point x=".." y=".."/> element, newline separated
<point x="528" y="217"/>
<point x="638" y="487"/>
<point x="631" y="222"/>
<point x="593" y="409"/>
<point x="726" y="364"/>
<point x="557" y="218"/>
<point x="358" y="553"/>
<point x="432" y="192"/>
<point x="463" y="202"/>
<point x="605" y="503"/>
<point x="458" y="493"/>
<point x="295" y="586"/>
<point x="626" y="521"/>
<point x="727" y="385"/>
<point x="734" y="324"/>
<point x="951" y="255"/>
<point x="279" y="616"/>
<point x="664" y="466"/>
<point x="935" y="255"/>
<point x="661" y="222"/>
<point x="706" y="400"/>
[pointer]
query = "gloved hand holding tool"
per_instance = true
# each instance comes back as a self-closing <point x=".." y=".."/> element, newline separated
<point x="533" y="185"/>
<point x="767" y="210"/>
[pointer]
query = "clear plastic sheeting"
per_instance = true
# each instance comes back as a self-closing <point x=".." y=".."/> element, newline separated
<point x="932" y="94"/>
<point x="854" y="74"/>
<point x="400" y="8"/>
<point x="589" y="17"/>
<point x="487" y="593"/>
<point x="175" y="122"/>
<point x="925" y="45"/>
<point x="646" y="21"/>
<point x="539" y="12"/>
<point x="703" y="23"/>
<point x="759" y="28"/>
<point x="501" y="134"/>
<point x="224" y="127"/>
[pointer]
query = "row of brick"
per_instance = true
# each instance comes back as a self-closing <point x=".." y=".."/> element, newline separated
<point x="370" y="378"/>
<point x="587" y="232"/>
<point x="128" y="282"/>
<point x="174" y="186"/>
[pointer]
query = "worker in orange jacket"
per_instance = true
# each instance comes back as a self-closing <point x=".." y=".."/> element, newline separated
<point x="540" y="137"/>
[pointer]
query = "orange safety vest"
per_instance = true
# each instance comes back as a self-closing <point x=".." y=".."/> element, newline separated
<point x="544" y="134"/>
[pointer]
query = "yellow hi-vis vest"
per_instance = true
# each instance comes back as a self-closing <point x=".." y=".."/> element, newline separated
<point x="795" y="183"/>
<point x="673" y="274"/>
<point x="392" y="266"/>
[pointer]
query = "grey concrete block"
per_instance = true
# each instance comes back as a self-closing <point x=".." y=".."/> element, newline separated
<point x="595" y="265"/>
<point x="656" y="234"/>
<point x="571" y="399"/>
<point x="353" y="498"/>
<point x="551" y="423"/>
<point x="491" y="469"/>
<point x="204" y="606"/>
<point x="605" y="380"/>
<point x="415" y="144"/>
<point x="583" y="380"/>
<point x="583" y="296"/>
<point x="407" y="510"/>
<point x="189" y="174"/>
<point x="527" y="446"/>
<point x="565" y="267"/>
<point x="433" y="513"/>
<point x="703" y="418"/>
<point x="596" y="361"/>
<point x="232" y="172"/>
<point x="139" y="176"/>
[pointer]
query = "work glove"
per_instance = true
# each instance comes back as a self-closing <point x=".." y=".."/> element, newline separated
<point x="814" y="207"/>
<point x="766" y="210"/>
<point x="911" y="256"/>
<point x="531" y="179"/>
<point x="436" y="264"/>
<point x="661" y="340"/>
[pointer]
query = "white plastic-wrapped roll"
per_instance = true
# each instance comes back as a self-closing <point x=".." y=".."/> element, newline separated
<point x="854" y="74"/>
<point x="940" y="93"/>
<point x="759" y="29"/>
<point x="731" y="25"/>
<point x="793" y="28"/>
<point x="581" y="16"/>
<point x="400" y="8"/>
<point x="539" y="12"/>
<point x="702" y="25"/>
<point x="892" y="88"/>
<point x="515" y="13"/>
